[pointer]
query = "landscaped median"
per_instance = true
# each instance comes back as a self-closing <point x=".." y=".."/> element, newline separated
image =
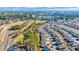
<point x="28" y="38"/>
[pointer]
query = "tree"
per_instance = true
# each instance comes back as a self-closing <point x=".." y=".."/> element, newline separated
<point x="21" y="39"/>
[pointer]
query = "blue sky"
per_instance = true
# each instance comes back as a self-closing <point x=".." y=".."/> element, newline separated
<point x="39" y="3"/>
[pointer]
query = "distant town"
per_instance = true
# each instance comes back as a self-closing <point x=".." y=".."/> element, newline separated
<point x="39" y="29"/>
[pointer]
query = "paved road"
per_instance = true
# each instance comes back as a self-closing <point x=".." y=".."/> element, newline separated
<point x="4" y="34"/>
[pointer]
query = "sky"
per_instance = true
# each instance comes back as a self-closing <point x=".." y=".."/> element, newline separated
<point x="39" y="3"/>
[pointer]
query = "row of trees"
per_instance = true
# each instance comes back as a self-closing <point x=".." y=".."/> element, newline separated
<point x="6" y="16"/>
<point x="31" y="38"/>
